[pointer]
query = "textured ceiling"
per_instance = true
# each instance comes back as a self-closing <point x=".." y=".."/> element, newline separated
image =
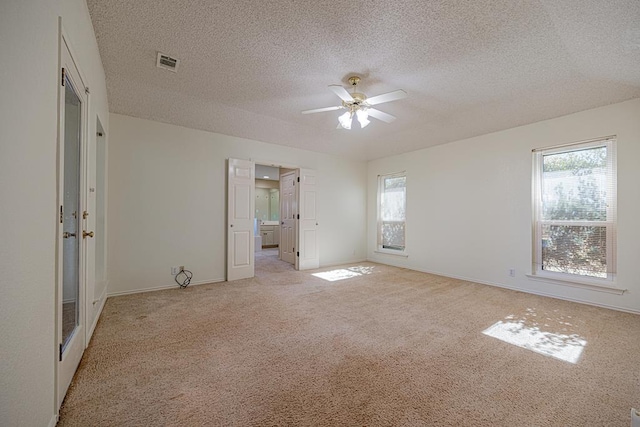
<point x="249" y="67"/>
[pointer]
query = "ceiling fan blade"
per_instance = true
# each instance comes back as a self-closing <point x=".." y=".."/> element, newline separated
<point x="320" y="110"/>
<point x="388" y="118"/>
<point x="341" y="92"/>
<point x="387" y="97"/>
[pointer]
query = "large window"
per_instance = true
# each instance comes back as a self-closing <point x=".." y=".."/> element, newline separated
<point x="575" y="211"/>
<point x="392" y="200"/>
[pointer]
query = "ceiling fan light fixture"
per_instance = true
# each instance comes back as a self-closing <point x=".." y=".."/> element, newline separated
<point x="345" y="120"/>
<point x="358" y="104"/>
<point x="363" y="118"/>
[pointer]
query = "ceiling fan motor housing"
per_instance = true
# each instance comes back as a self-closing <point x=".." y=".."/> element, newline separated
<point x="359" y="99"/>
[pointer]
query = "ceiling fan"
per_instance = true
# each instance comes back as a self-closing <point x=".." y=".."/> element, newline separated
<point x="358" y="104"/>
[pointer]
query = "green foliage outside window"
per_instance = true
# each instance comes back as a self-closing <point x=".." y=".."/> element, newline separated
<point x="574" y="189"/>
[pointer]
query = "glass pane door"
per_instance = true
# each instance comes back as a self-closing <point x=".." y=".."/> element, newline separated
<point x="71" y="211"/>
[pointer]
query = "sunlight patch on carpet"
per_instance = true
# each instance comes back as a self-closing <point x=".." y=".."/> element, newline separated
<point x="525" y="333"/>
<point x="343" y="273"/>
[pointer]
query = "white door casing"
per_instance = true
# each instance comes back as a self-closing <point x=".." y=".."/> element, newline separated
<point x="307" y="256"/>
<point x="98" y="223"/>
<point x="288" y="207"/>
<point x="240" y="216"/>
<point x="88" y="227"/>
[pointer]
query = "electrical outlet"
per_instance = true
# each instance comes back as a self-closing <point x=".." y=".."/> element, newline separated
<point x="512" y="272"/>
<point x="176" y="270"/>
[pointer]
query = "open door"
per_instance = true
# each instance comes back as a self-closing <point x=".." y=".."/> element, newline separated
<point x="307" y="256"/>
<point x="288" y="208"/>
<point x="240" y="213"/>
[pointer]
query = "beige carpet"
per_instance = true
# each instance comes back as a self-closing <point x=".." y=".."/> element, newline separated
<point x="388" y="347"/>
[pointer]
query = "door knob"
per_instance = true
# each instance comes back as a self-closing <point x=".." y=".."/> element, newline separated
<point x="85" y="234"/>
<point x="66" y="235"/>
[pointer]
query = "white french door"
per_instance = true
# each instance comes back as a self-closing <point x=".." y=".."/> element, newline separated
<point x="288" y="207"/>
<point x="73" y="250"/>
<point x="240" y="215"/>
<point x="307" y="255"/>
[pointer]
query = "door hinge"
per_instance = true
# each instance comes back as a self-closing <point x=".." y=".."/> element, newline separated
<point x="62" y="82"/>
<point x="86" y="90"/>
<point x="61" y="215"/>
<point x="298" y="179"/>
<point x="60" y="355"/>
<point x="298" y="254"/>
<point x="298" y="216"/>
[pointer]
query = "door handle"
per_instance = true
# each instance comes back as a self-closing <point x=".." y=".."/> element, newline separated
<point x="66" y="235"/>
<point x="85" y="234"/>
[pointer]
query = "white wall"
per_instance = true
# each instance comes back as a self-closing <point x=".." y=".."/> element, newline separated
<point x="469" y="204"/>
<point x="167" y="201"/>
<point x="28" y="128"/>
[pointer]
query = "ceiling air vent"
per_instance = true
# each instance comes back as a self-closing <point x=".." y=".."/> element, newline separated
<point x="167" y="62"/>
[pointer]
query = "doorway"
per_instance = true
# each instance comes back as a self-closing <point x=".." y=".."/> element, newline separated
<point x="245" y="221"/>
<point x="272" y="221"/>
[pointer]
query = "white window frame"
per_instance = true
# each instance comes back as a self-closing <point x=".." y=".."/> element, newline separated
<point x="379" y="247"/>
<point x="610" y="223"/>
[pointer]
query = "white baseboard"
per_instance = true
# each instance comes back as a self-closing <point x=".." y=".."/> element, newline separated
<point x="161" y="288"/>
<point x="54" y="421"/>
<point x="205" y="282"/>
<point x="513" y="288"/>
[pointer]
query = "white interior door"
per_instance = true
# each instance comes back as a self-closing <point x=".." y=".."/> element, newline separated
<point x="288" y="207"/>
<point x="72" y="249"/>
<point x="307" y="256"/>
<point x="240" y="213"/>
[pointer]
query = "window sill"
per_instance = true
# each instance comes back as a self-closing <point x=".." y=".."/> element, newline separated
<point x="389" y="252"/>
<point x="594" y="285"/>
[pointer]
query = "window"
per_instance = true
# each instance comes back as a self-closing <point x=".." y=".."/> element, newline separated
<point x="392" y="201"/>
<point x="575" y="211"/>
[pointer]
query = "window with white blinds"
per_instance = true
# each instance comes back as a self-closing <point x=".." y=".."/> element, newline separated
<point x="392" y="201"/>
<point x="575" y="210"/>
